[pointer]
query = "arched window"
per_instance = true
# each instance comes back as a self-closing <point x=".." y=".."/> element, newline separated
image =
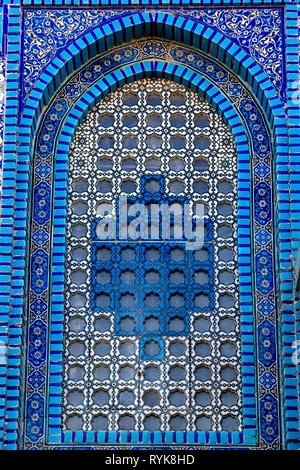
<point x="152" y="330"/>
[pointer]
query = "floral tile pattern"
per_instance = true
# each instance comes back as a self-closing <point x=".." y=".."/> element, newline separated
<point x="241" y="99"/>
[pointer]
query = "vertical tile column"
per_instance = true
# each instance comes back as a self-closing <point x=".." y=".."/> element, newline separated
<point x="288" y="176"/>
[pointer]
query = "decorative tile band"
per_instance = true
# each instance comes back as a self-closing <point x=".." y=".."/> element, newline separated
<point x="252" y="30"/>
<point x="86" y="98"/>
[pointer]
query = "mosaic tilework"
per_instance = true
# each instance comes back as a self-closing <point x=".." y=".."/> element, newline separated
<point x="2" y="88"/>
<point x="258" y="32"/>
<point x="268" y="102"/>
<point x="153" y="340"/>
<point x="159" y="3"/>
<point x="12" y="253"/>
<point x="2" y="91"/>
<point x="288" y="236"/>
<point x="225" y="51"/>
<point x="265" y="149"/>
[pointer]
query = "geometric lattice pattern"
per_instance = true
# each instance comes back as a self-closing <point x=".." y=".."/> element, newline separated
<point x="57" y="63"/>
<point x="152" y="326"/>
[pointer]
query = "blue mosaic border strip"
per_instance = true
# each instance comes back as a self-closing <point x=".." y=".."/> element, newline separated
<point x="267" y="21"/>
<point x="263" y="377"/>
<point x="293" y="437"/>
<point x="141" y="3"/>
<point x="87" y="101"/>
<point x="12" y="247"/>
<point x="199" y="36"/>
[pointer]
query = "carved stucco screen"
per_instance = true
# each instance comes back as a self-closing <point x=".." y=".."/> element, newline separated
<point x="152" y="325"/>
